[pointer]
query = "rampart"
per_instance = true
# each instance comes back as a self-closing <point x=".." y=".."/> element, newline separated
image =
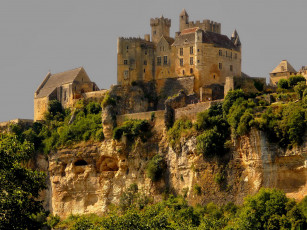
<point x="23" y="122"/>
<point x="157" y="115"/>
<point x="191" y="110"/>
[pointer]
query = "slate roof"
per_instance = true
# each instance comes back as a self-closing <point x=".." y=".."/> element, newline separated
<point x="187" y="36"/>
<point x="286" y="67"/>
<point x="56" y="80"/>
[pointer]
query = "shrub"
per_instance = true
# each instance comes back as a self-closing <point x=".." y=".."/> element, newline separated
<point x="108" y="100"/>
<point x="180" y="126"/>
<point x="299" y="88"/>
<point x="93" y="108"/>
<point x="132" y="129"/>
<point x="283" y="84"/>
<point x="99" y="135"/>
<point x="258" y="85"/>
<point x="155" y="168"/>
<point x="210" y="143"/>
<point x="294" y="80"/>
<point x="230" y="98"/>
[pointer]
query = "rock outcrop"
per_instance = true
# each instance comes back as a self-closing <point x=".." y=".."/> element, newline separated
<point x="89" y="177"/>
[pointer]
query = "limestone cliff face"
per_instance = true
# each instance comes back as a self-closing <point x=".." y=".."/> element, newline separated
<point x="89" y="177"/>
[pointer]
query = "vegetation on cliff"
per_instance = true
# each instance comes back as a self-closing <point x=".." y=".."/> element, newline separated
<point x="268" y="209"/>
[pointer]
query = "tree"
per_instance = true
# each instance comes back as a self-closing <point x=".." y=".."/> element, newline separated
<point x="283" y="84"/>
<point x="19" y="186"/>
<point x="299" y="88"/>
<point x="294" y="80"/>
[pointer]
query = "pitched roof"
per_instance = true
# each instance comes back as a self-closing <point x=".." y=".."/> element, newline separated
<point x="188" y="37"/>
<point x="284" y="66"/>
<point x="184" y="13"/>
<point x="53" y="81"/>
<point x="169" y="40"/>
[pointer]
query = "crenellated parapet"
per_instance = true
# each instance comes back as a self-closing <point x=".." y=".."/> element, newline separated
<point x="157" y="21"/>
<point x="206" y="25"/>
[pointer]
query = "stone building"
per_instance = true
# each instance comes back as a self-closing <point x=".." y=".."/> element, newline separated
<point x="282" y="71"/>
<point x="303" y="71"/>
<point x="65" y="87"/>
<point x="198" y="50"/>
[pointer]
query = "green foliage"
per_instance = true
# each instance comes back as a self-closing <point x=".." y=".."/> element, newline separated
<point x="230" y="98"/>
<point x="19" y="186"/>
<point x="283" y="84"/>
<point x="108" y="100"/>
<point x="155" y="168"/>
<point x="299" y="88"/>
<point x="133" y="129"/>
<point x="285" y="125"/>
<point x="294" y="80"/>
<point x="93" y="108"/>
<point x="210" y="143"/>
<point x="180" y="127"/>
<point x="52" y="221"/>
<point x="99" y="135"/>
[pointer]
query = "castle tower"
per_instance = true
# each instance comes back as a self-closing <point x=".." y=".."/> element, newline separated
<point x="159" y="27"/>
<point x="183" y="20"/>
<point x="235" y="38"/>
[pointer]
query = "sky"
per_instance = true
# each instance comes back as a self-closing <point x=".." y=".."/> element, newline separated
<point x="38" y="36"/>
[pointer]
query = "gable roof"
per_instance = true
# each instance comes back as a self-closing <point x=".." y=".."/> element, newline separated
<point x="284" y="66"/>
<point x="184" y="13"/>
<point x="52" y="81"/>
<point x="187" y="36"/>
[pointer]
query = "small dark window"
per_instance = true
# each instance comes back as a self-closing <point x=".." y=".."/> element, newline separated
<point x="214" y="76"/>
<point x="80" y="163"/>
<point x="197" y="50"/>
<point x="158" y="60"/>
<point x="191" y="61"/>
<point x="226" y="54"/>
<point x="165" y="60"/>
<point x="191" y="70"/>
<point x="220" y="66"/>
<point x="181" y="51"/>
<point x="220" y="53"/>
<point x="154" y="32"/>
<point x="191" y="50"/>
<point x="230" y="67"/>
<point x="181" y="61"/>
<point x="127" y="47"/>
<point x="183" y="72"/>
<point x="144" y="70"/>
<point x="125" y="62"/>
<point x="145" y="52"/>
<point x="145" y="62"/>
<point x="198" y="61"/>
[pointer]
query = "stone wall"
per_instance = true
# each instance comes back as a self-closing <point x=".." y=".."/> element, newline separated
<point x="191" y="110"/>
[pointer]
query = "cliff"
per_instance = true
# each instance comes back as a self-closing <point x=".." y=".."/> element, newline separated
<point x="91" y="176"/>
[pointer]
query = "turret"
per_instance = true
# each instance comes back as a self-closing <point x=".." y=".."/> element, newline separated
<point x="235" y="38"/>
<point x="159" y="27"/>
<point x="183" y="20"/>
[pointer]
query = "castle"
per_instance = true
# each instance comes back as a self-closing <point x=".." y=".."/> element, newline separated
<point x="198" y="50"/>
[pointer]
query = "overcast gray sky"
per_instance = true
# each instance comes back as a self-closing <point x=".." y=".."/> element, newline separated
<point x="58" y="35"/>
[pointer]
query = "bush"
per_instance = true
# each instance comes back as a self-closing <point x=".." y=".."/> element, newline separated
<point x="230" y="98"/>
<point x="294" y="80"/>
<point x="93" y="108"/>
<point x="108" y="100"/>
<point x="133" y="129"/>
<point x="99" y="135"/>
<point x="180" y="127"/>
<point x="155" y="168"/>
<point x="210" y="143"/>
<point x="299" y="89"/>
<point x="283" y="84"/>
<point x="197" y="189"/>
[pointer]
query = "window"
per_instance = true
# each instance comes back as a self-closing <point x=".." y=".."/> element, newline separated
<point x="213" y="76"/>
<point x="198" y="61"/>
<point x="145" y="52"/>
<point x="144" y="70"/>
<point x="181" y="51"/>
<point x="220" y="66"/>
<point x="125" y="62"/>
<point x="158" y="60"/>
<point x="183" y="72"/>
<point x="127" y="47"/>
<point x="145" y="62"/>
<point x="220" y="53"/>
<point x="198" y="50"/>
<point x="191" y="60"/>
<point x="236" y="56"/>
<point x="230" y="67"/>
<point x="191" y="70"/>
<point x="181" y="61"/>
<point x="154" y="32"/>
<point x="126" y="74"/>
<point x="191" y="50"/>
<point x="165" y="60"/>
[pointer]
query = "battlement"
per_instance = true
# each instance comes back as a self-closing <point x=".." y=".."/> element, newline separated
<point x="206" y="25"/>
<point x="157" y="21"/>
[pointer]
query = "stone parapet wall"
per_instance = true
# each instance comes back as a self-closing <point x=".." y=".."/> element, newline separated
<point x="191" y="110"/>
<point x="159" y="118"/>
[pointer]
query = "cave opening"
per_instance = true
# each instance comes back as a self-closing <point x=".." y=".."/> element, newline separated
<point x="80" y="163"/>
